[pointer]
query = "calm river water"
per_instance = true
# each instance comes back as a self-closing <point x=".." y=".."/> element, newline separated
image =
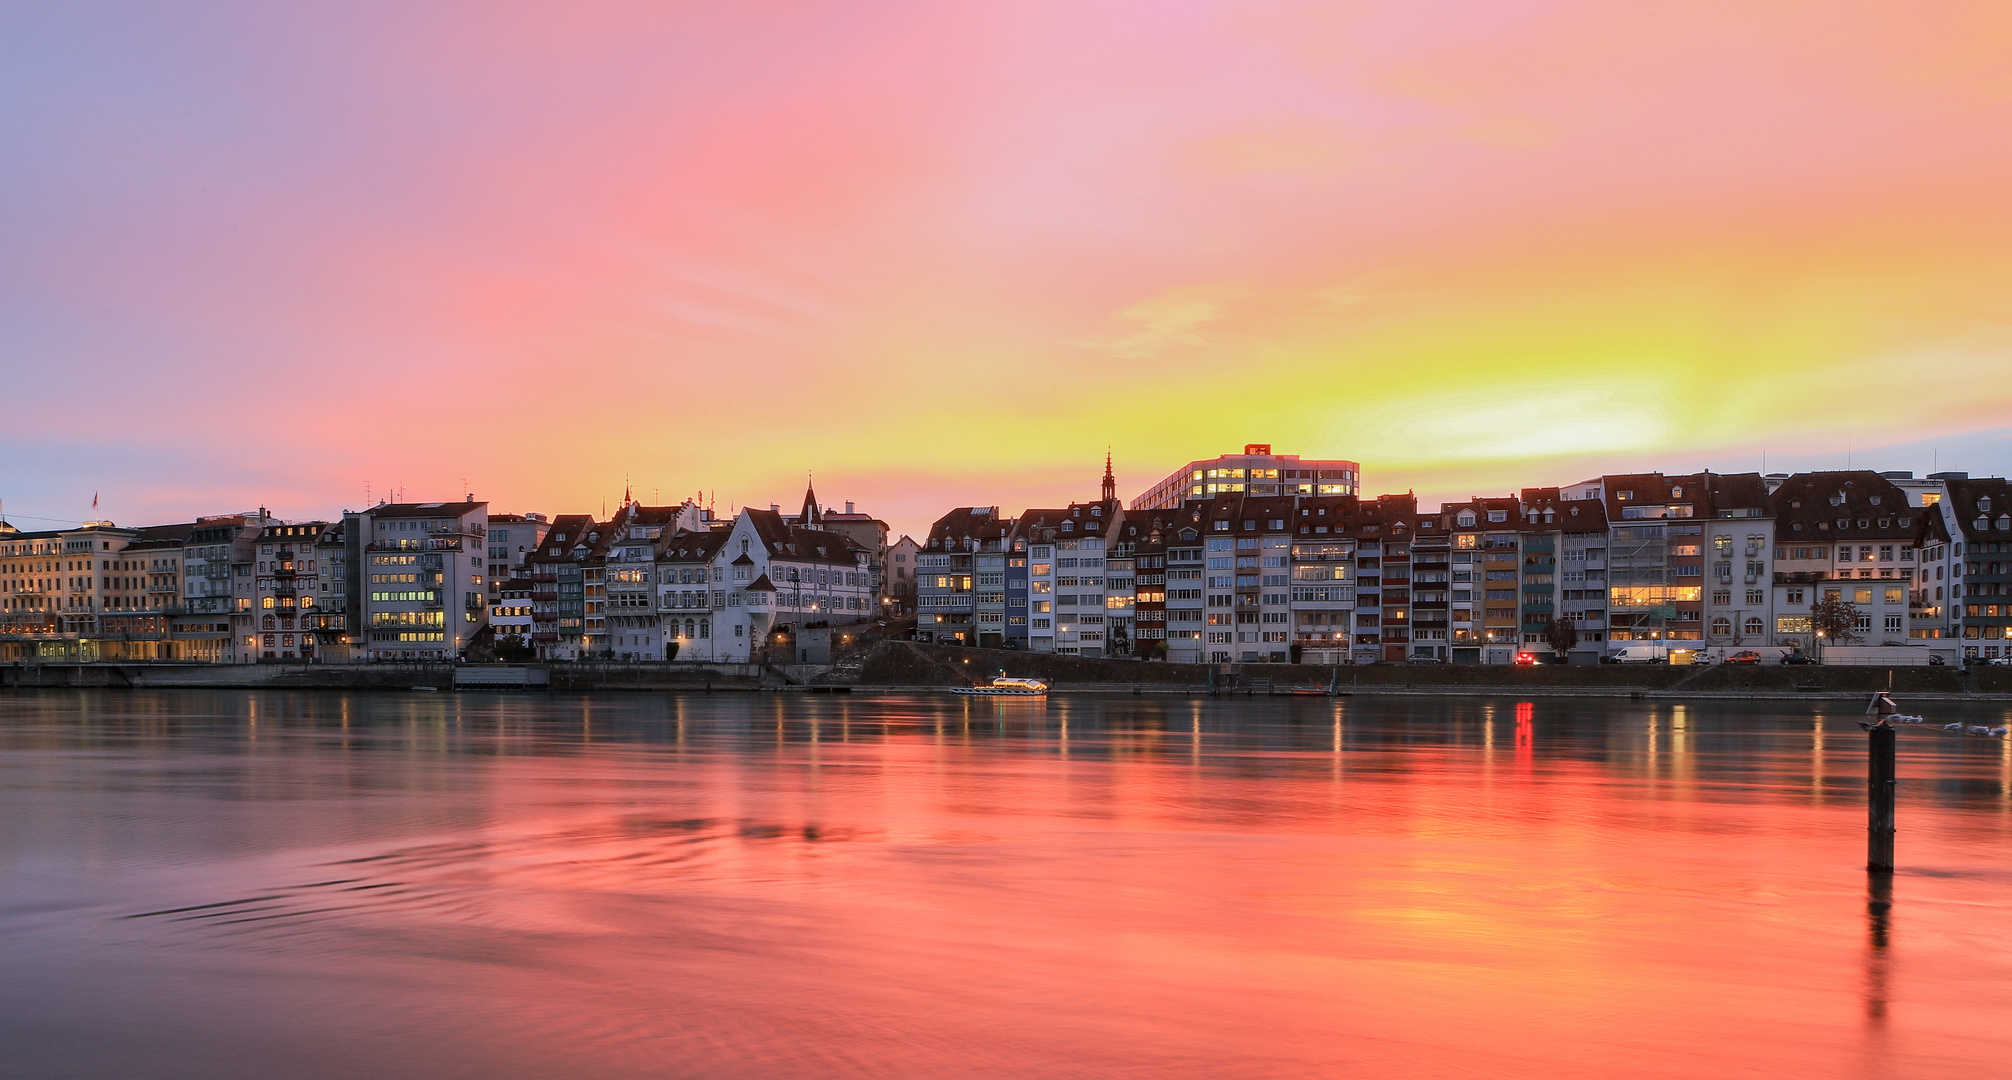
<point x="199" y="884"/>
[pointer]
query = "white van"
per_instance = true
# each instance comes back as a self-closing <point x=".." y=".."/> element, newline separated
<point x="1641" y="654"/>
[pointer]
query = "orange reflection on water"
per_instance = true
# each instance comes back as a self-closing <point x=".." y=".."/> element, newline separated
<point x="919" y="886"/>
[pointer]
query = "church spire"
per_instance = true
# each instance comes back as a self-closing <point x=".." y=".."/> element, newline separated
<point x="811" y="516"/>
<point x="1110" y="482"/>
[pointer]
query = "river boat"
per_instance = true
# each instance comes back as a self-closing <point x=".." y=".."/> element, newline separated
<point x="1004" y="687"/>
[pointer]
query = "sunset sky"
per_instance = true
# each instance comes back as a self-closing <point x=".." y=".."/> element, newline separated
<point x="946" y="254"/>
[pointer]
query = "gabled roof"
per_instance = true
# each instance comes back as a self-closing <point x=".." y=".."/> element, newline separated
<point x="761" y="584"/>
<point x="568" y="530"/>
<point x="799" y="544"/>
<point x="1986" y="497"/>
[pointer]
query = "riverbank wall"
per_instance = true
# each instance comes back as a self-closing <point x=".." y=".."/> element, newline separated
<point x="896" y="666"/>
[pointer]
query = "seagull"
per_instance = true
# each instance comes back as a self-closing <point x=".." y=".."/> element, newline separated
<point x="1952" y="727"/>
<point x="1909" y="719"/>
<point x="1997" y="732"/>
<point x="1978" y="729"/>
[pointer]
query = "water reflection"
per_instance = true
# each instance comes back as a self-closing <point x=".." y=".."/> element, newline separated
<point x="1878" y="915"/>
<point x="303" y="884"/>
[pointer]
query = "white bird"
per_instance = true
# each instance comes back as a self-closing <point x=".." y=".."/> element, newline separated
<point x="1978" y="729"/>
<point x="1997" y="732"/>
<point x="1952" y="727"/>
<point x="1907" y="719"/>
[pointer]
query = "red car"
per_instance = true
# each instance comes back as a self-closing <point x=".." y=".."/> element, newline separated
<point x="1745" y="657"/>
<point x="1526" y="658"/>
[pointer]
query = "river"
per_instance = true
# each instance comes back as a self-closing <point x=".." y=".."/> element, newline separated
<point x="225" y="884"/>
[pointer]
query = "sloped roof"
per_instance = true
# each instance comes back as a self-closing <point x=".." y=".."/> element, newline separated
<point x="1655" y="489"/>
<point x="1739" y="491"/>
<point x="424" y="510"/>
<point x="1858" y="505"/>
<point x="567" y="530"/>
<point x="966" y="523"/>
<point x="1987" y="496"/>
<point x="761" y="584"/>
<point x="688" y="546"/>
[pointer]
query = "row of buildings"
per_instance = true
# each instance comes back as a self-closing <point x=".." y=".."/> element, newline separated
<point x="1251" y="557"/>
<point x="439" y="580"/>
<point x="1705" y="559"/>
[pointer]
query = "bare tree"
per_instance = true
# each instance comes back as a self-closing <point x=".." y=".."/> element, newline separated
<point x="1562" y="636"/>
<point x="1835" y="618"/>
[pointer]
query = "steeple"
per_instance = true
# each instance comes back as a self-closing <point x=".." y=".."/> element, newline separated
<point x="810" y="517"/>
<point x="1110" y="482"/>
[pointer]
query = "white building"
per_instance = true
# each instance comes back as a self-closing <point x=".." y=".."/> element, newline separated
<point x="764" y="580"/>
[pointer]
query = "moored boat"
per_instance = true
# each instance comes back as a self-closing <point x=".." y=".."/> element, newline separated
<point x="1005" y="687"/>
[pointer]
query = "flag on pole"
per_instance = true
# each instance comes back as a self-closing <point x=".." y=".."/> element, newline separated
<point x="94" y="504"/>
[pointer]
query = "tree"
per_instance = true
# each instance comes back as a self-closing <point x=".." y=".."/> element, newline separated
<point x="1121" y="642"/>
<point x="1294" y="651"/>
<point x="1562" y="635"/>
<point x="1835" y="618"/>
<point x="513" y="649"/>
<point x="670" y="651"/>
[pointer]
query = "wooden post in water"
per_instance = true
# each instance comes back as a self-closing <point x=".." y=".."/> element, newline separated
<point x="1879" y="789"/>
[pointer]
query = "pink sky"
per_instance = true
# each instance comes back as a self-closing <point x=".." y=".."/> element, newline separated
<point x="947" y="254"/>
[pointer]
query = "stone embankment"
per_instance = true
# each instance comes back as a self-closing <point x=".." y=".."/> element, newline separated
<point x="887" y="665"/>
<point x="908" y="664"/>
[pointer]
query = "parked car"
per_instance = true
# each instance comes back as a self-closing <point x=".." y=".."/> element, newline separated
<point x="1526" y="658"/>
<point x="1797" y="658"/>
<point x="1987" y="661"/>
<point x="1641" y="654"/>
<point x="1935" y="660"/>
<point x="1744" y="656"/>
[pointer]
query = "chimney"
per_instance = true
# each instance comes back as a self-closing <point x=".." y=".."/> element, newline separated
<point x="774" y="508"/>
<point x="848" y="506"/>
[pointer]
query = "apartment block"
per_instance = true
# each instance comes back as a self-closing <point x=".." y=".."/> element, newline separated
<point x="423" y="566"/>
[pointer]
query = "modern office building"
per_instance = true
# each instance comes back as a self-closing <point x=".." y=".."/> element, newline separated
<point x="1256" y="471"/>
